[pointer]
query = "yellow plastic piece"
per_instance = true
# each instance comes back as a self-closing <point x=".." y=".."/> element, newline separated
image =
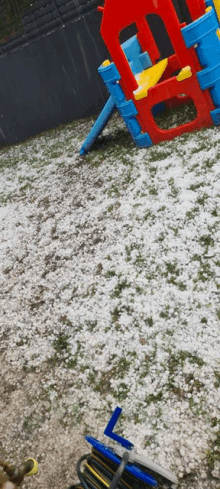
<point x="185" y="73"/>
<point x="208" y="9"/>
<point x="106" y="63"/>
<point x="35" y="467"/>
<point x="218" y="33"/>
<point x="148" y="78"/>
<point x="217" y="8"/>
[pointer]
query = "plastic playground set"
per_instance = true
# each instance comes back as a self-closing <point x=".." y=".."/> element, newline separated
<point x="105" y="467"/>
<point x="142" y="83"/>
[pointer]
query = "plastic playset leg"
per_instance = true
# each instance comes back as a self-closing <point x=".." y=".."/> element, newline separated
<point x="138" y="61"/>
<point x="126" y="108"/>
<point x="99" y="125"/>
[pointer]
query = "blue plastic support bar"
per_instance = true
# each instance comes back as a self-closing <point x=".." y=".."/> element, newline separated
<point x="109" y="430"/>
<point x="99" y="125"/>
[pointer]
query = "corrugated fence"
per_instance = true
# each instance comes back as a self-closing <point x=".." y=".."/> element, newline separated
<point x="48" y="73"/>
<point x="46" y="15"/>
<point x="48" y="67"/>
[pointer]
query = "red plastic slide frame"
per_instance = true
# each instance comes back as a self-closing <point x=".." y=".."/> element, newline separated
<point x="117" y="15"/>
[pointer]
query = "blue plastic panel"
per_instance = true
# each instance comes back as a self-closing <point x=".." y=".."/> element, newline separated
<point x="197" y="30"/>
<point x="210" y="3"/>
<point x="138" y="61"/>
<point x="215" y="115"/>
<point x="202" y="34"/>
<point x="209" y="77"/>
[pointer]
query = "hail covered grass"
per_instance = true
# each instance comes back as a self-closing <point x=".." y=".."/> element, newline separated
<point x="110" y="287"/>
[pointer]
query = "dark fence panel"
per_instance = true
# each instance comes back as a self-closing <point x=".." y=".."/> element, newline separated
<point x="44" y="16"/>
<point x="49" y="71"/>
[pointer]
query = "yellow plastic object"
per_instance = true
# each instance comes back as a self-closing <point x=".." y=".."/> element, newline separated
<point x="218" y="33"/>
<point x="149" y="78"/>
<point x="217" y="8"/>
<point x="106" y="63"/>
<point x="35" y="467"/>
<point x="208" y="9"/>
<point x="186" y="72"/>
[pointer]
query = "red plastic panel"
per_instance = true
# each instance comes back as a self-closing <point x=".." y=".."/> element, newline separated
<point x="166" y="91"/>
<point x="196" y="8"/>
